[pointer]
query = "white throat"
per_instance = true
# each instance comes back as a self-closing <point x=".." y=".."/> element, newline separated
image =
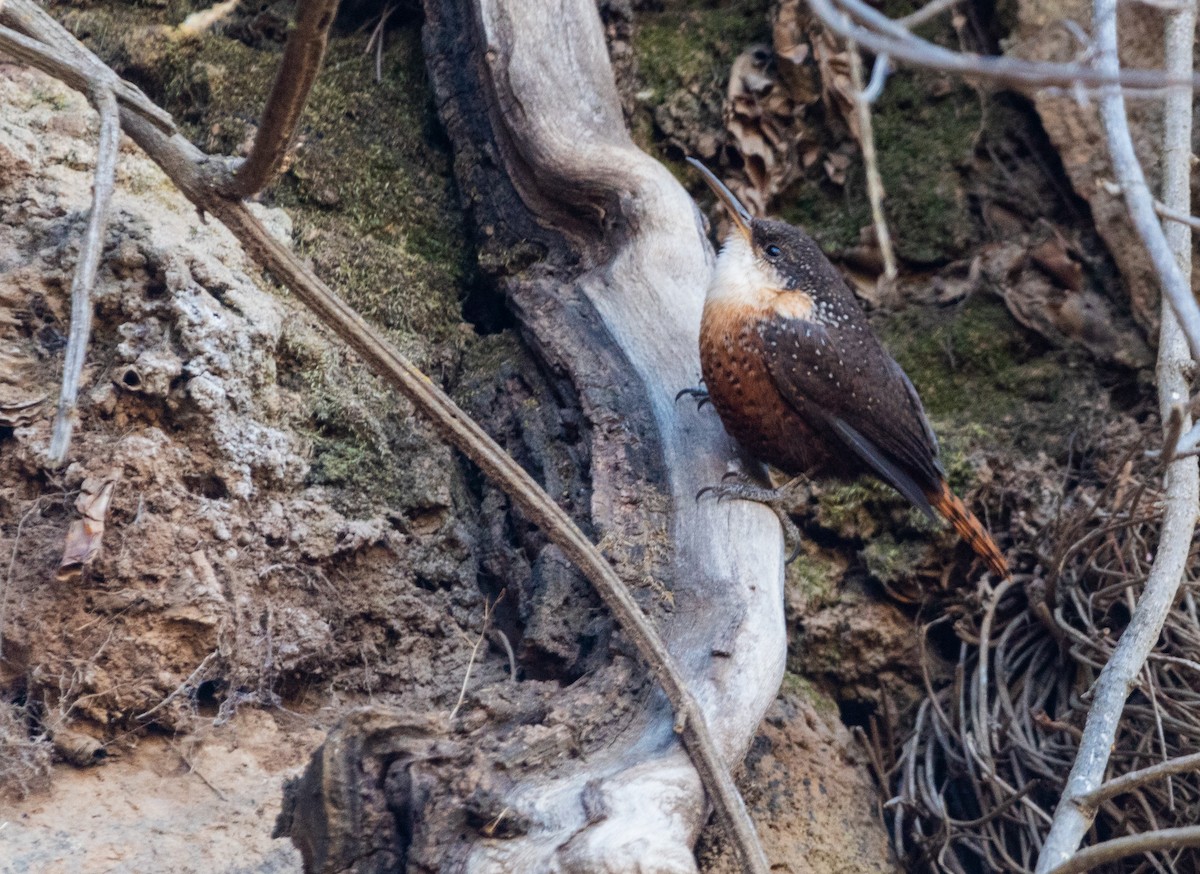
<point x="740" y="275"/>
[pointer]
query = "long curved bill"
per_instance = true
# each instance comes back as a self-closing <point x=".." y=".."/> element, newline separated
<point x="737" y="212"/>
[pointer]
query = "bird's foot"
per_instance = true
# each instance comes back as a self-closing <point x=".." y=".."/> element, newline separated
<point x="698" y="394"/>
<point x="779" y="501"/>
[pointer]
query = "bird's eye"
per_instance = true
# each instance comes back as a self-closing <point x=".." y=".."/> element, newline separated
<point x="773" y="251"/>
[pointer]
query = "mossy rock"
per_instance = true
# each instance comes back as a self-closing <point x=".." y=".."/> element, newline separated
<point x="691" y="45"/>
<point x="805" y="689"/>
<point x="369" y="186"/>
<point x="368" y="182"/>
<point x="893" y="561"/>
<point x="813" y="576"/>
<point x="984" y="380"/>
<point x="925" y="137"/>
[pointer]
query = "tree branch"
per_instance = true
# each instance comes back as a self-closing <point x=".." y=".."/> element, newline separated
<point x="1134" y="779"/>
<point x="927" y="12"/>
<point x="90" y="250"/>
<point x="1130" y="845"/>
<point x="882" y="35"/>
<point x="298" y="70"/>
<point x="1173" y="262"/>
<point x="66" y="60"/>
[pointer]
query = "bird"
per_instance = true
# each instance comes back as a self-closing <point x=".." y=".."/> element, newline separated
<point x="800" y="380"/>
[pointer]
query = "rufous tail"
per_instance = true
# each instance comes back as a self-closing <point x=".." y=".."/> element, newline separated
<point x="968" y="527"/>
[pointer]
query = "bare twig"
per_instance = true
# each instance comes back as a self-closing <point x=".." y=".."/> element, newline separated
<point x="90" y="250"/>
<point x="1189" y="443"/>
<point x="1131" y="845"/>
<point x="1132" y="181"/>
<point x="297" y="71"/>
<point x="927" y="12"/>
<point x="195" y="174"/>
<point x="508" y="651"/>
<point x="1159" y="207"/>
<point x="181" y="688"/>
<point x="12" y="563"/>
<point x="487" y="621"/>
<point x="875" y="192"/>
<point x="1173" y="262"/>
<point x="61" y="59"/>
<point x="879" y="74"/>
<point x="1175" y="215"/>
<point x="885" y="36"/>
<point x="1134" y="779"/>
<point x="376" y="42"/>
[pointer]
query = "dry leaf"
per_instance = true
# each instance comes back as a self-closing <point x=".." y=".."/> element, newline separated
<point x="837" y="89"/>
<point x="836" y="166"/>
<point x="84" y="537"/>
<point x="1054" y="257"/>
<point x="1063" y="315"/>
<point x="772" y="90"/>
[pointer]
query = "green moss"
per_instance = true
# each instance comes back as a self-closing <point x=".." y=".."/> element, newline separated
<point x="692" y="45"/>
<point x="925" y="135"/>
<point x="363" y="442"/>
<point x="684" y="52"/>
<point x="893" y="561"/>
<point x="813" y="576"/>
<point x="986" y="383"/>
<point x="833" y="215"/>
<point x="369" y="188"/>
<point x="844" y="508"/>
<point x="803" y="688"/>
<point x="923" y="143"/>
<point x="859" y="510"/>
<point x="972" y="364"/>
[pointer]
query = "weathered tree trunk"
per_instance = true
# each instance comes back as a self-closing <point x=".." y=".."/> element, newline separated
<point x="602" y="256"/>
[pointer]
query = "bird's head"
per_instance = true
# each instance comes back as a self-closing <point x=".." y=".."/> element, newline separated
<point x="766" y="263"/>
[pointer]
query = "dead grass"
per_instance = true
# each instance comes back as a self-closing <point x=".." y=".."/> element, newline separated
<point x="25" y="754"/>
<point x="977" y="781"/>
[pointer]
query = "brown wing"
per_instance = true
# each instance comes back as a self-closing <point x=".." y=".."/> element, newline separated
<point x="841" y="376"/>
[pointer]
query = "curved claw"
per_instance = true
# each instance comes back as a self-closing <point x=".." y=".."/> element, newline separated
<point x="698" y="393"/>
<point x="796" y="551"/>
<point x="716" y="490"/>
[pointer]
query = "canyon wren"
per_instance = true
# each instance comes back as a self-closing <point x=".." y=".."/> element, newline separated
<point x="798" y="378"/>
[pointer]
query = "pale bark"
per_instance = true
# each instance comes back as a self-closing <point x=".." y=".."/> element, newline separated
<point x="569" y="149"/>
<point x="527" y="94"/>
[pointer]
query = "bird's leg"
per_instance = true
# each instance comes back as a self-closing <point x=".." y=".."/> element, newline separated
<point x="698" y="393"/>
<point x="779" y="501"/>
